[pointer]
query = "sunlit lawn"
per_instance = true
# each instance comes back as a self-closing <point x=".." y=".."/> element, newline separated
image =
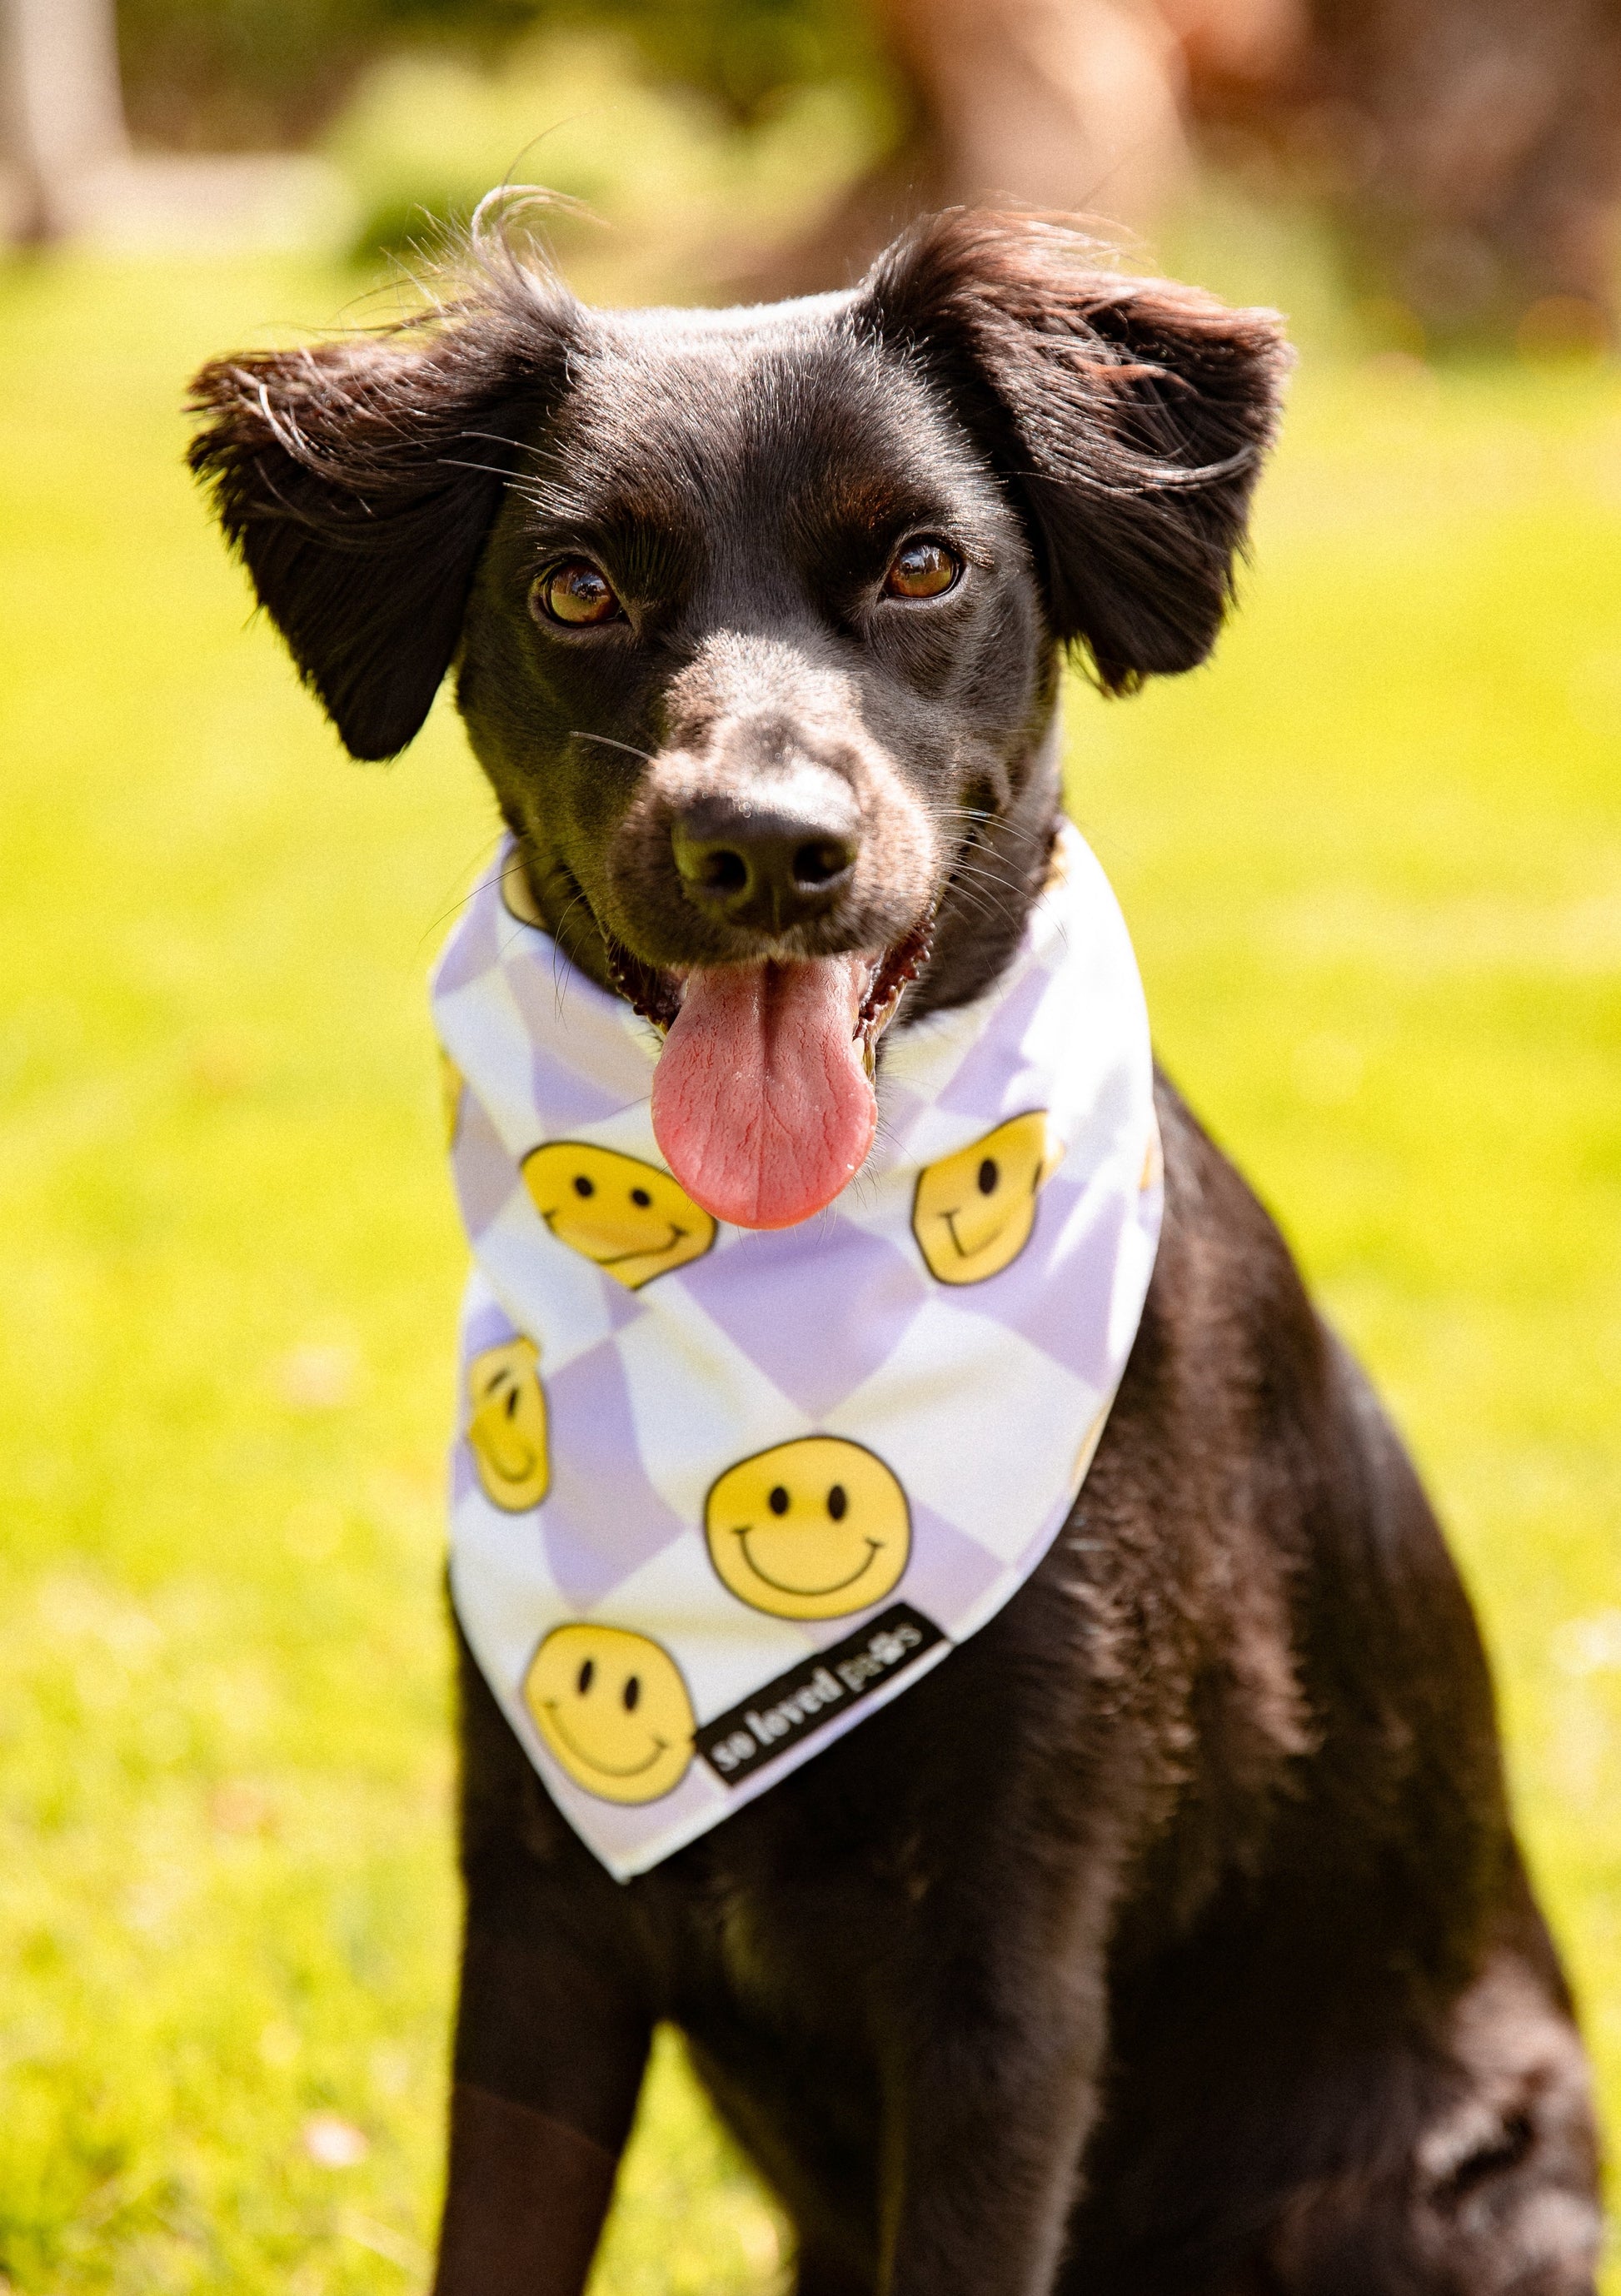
<point x="1373" y="862"/>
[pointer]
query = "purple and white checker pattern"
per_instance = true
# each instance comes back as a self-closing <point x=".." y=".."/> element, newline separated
<point x="986" y="1399"/>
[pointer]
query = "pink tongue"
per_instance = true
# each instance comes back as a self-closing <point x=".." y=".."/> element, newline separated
<point x="760" y="1099"/>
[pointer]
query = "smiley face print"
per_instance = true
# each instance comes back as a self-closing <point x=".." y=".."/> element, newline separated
<point x="613" y="1708"/>
<point x="506" y="1425"/>
<point x="450" y="1083"/>
<point x="973" y="1212"/>
<point x="811" y="1530"/>
<point x="629" y="1217"/>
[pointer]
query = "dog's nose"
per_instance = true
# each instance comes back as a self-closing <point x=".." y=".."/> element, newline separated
<point x="767" y="862"/>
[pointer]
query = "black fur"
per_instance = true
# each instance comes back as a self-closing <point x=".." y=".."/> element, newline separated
<point x="359" y="479"/>
<point x="1170" y="1937"/>
<point x="1128" y="416"/>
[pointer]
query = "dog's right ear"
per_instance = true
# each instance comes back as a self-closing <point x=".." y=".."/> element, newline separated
<point x="358" y="481"/>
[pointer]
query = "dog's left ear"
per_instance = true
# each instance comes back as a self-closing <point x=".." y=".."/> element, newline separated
<point x="1128" y="417"/>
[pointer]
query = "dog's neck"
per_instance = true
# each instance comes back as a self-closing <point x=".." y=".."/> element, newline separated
<point x="998" y="871"/>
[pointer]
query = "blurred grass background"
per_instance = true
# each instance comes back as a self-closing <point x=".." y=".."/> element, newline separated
<point x="1372" y="860"/>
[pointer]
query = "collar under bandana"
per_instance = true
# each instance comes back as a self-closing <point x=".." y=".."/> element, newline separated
<point x="719" y="1495"/>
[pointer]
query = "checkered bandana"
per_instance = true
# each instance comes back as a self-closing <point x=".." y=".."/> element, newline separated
<point x="719" y="1496"/>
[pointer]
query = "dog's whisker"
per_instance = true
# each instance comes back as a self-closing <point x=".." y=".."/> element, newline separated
<point x="990" y="880"/>
<point x="560" y="956"/>
<point x="577" y="733"/>
<point x="478" y="865"/>
<point x="987" y="896"/>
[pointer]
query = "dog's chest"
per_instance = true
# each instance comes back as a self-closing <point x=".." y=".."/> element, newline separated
<point x="812" y="1906"/>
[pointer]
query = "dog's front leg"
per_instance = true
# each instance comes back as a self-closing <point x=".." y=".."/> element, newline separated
<point x="549" y="2054"/>
<point x="552" y="2031"/>
<point x="991" y="2095"/>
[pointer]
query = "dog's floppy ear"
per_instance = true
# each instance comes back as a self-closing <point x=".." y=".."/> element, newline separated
<point x="1128" y="416"/>
<point x="358" y="481"/>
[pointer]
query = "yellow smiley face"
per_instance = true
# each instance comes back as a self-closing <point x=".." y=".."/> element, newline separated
<point x="973" y="1212"/>
<point x="810" y="1530"/>
<point x="613" y="1708"/>
<point x="630" y="1218"/>
<point x="450" y="1082"/>
<point x="506" y="1425"/>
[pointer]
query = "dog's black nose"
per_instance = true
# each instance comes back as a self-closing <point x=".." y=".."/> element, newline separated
<point x="770" y="862"/>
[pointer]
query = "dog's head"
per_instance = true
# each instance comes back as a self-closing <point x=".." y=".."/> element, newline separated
<point x="757" y="616"/>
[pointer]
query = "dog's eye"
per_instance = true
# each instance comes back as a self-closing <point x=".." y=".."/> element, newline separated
<point x="576" y="594"/>
<point x="925" y="569"/>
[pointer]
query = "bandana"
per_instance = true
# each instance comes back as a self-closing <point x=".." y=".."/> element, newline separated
<point x="719" y="1495"/>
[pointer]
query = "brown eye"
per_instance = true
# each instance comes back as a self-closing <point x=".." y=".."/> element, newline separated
<point x="925" y="569"/>
<point x="576" y="594"/>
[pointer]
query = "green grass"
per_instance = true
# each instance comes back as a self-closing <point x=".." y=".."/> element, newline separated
<point x="1373" y="862"/>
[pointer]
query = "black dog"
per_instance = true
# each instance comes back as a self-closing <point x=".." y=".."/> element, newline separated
<point x="1171" y="1939"/>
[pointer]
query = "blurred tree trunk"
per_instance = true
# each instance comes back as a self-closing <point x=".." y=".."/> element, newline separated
<point x="1469" y="151"/>
<point x="1061" y="104"/>
<point x="1072" y="104"/>
<point x="61" y="113"/>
